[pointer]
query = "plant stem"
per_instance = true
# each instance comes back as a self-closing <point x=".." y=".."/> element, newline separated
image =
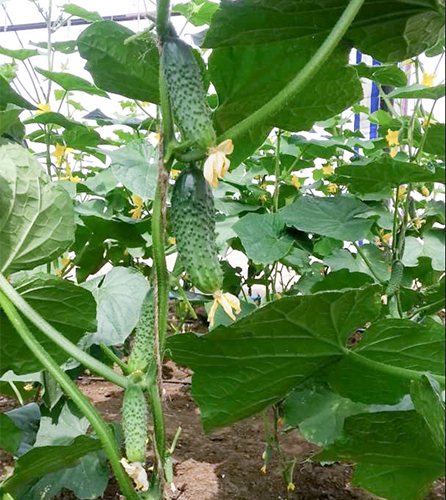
<point x="277" y="174"/>
<point x="162" y="16"/>
<point x="88" y="361"/>
<point x="301" y="79"/>
<point x="395" y="222"/>
<point x="181" y="291"/>
<point x="367" y="263"/>
<point x="112" y="356"/>
<point x="101" y="428"/>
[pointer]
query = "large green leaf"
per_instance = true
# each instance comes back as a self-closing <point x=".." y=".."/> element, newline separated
<point x="8" y="116"/>
<point x="318" y="412"/>
<point x="9" y="96"/>
<point x="47" y="459"/>
<point x="384" y="75"/>
<point x="396" y="455"/>
<point x="37" y="217"/>
<point x="246" y="78"/>
<point x="119" y="296"/>
<point x="428" y="401"/>
<point x="435" y="140"/>
<point x="71" y="82"/>
<point x="431" y="246"/>
<point x="418" y="91"/>
<point x="75" y="10"/>
<point x="336" y="217"/>
<point x="395" y="343"/>
<point x="20" y="54"/>
<point x="69" y="308"/>
<point x="389" y="31"/>
<point x="242" y="368"/>
<point x="10" y="434"/>
<point x="263" y="237"/>
<point x="197" y="12"/>
<point x="136" y="166"/>
<point x="373" y="175"/>
<point x="126" y="68"/>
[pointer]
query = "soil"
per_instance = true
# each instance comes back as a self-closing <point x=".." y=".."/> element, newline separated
<point x="224" y="465"/>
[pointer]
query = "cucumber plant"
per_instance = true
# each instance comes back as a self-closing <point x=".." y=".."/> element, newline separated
<point x="344" y="234"/>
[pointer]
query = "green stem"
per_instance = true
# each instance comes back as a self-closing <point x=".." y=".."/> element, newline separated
<point x="181" y="291"/>
<point x="85" y="359"/>
<point x="162" y="16"/>
<point x="301" y="79"/>
<point x="158" y="421"/>
<point x="428" y="306"/>
<point x="112" y="356"/>
<point x="395" y="222"/>
<point x="367" y="263"/>
<point x="101" y="428"/>
<point x="423" y="139"/>
<point x="277" y="174"/>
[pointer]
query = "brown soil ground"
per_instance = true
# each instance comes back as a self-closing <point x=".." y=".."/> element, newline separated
<point x="225" y="465"/>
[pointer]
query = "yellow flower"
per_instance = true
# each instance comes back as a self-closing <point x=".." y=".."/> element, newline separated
<point x="263" y="197"/>
<point x="28" y="387"/>
<point x="296" y="182"/>
<point x="139" y="205"/>
<point x="174" y="173"/>
<point x="144" y="104"/>
<point x="291" y="487"/>
<point x="417" y="222"/>
<point x="277" y="296"/>
<point x="43" y="108"/>
<point x="393" y="152"/>
<point x="136" y="213"/>
<point x="76" y="179"/>
<point x="171" y="241"/>
<point x="65" y="261"/>
<point x="402" y="193"/>
<point x="425" y="192"/>
<point x="228" y="302"/>
<point x="392" y="137"/>
<point x="327" y="169"/>
<point x="158" y="137"/>
<point x="264" y="469"/>
<point x="59" y="273"/>
<point x="386" y="237"/>
<point x="216" y="164"/>
<point x="137" y="473"/>
<point x="428" y="80"/>
<point x="60" y="152"/>
<point x="333" y="188"/>
<point x="427" y="122"/>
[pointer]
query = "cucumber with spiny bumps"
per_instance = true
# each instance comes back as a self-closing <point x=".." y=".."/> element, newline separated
<point x="395" y="277"/>
<point x="186" y="93"/>
<point x="193" y="221"/>
<point x="142" y="354"/>
<point x="135" y="423"/>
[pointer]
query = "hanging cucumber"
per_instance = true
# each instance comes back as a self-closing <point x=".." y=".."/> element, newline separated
<point x="186" y="93"/>
<point x="142" y="350"/>
<point x="193" y="220"/>
<point x="395" y="277"/>
<point x="134" y="422"/>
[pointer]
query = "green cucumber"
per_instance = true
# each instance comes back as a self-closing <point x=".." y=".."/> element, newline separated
<point x="142" y="349"/>
<point x="193" y="221"/>
<point x="395" y="277"/>
<point x="186" y="93"/>
<point x="134" y="422"/>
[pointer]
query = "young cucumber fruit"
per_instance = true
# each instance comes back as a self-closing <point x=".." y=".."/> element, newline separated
<point x="142" y="350"/>
<point x="186" y="93"/>
<point x="134" y="421"/>
<point x="395" y="277"/>
<point x="193" y="220"/>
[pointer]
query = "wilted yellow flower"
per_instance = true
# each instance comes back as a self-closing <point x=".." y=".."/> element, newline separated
<point x="137" y="473"/>
<point x="174" y="173"/>
<point x="333" y="188"/>
<point x="428" y="80"/>
<point x="228" y="302"/>
<point x="264" y="469"/>
<point x="425" y="192"/>
<point x="43" y="108"/>
<point x="393" y="152"/>
<point x="291" y="487"/>
<point x="417" y="222"/>
<point x="139" y="204"/>
<point x="327" y="169"/>
<point x="28" y="387"/>
<point x="171" y="240"/>
<point x="402" y="193"/>
<point x="216" y="164"/>
<point x="296" y="182"/>
<point x="392" y="137"/>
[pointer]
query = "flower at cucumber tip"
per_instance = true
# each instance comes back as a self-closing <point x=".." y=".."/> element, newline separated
<point x="228" y="302"/>
<point x="217" y="163"/>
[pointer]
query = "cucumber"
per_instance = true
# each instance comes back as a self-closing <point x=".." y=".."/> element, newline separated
<point x="193" y="221"/>
<point x="395" y="277"/>
<point x="134" y="422"/>
<point x="186" y="93"/>
<point x="142" y="349"/>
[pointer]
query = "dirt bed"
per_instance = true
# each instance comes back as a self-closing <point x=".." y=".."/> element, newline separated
<point x="225" y="465"/>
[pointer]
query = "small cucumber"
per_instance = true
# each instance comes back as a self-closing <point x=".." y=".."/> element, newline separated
<point x="395" y="277"/>
<point x="134" y="422"/>
<point x="186" y="93"/>
<point x="193" y="220"/>
<point x="142" y="349"/>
